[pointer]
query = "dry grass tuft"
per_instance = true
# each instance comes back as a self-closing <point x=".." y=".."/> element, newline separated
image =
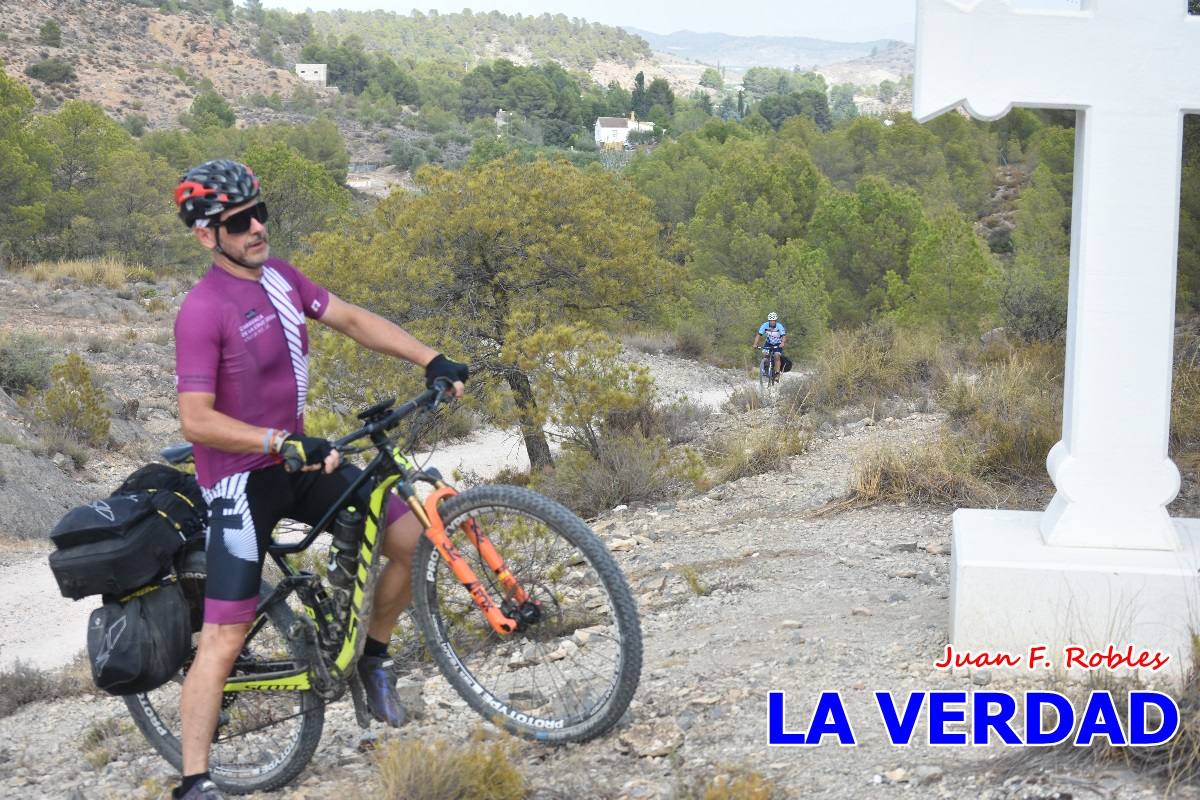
<point x="735" y="784"/>
<point x="442" y="770"/>
<point x="744" y="399"/>
<point x="875" y="362"/>
<point x="940" y="472"/>
<point x="765" y="450"/>
<point x="108" y="272"/>
<point x="1174" y="765"/>
<point x="691" y="576"/>
<point x="23" y="683"/>
<point x="1002" y="423"/>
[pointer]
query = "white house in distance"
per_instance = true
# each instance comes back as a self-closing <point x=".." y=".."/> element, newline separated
<point x="312" y="73"/>
<point x="614" y="131"/>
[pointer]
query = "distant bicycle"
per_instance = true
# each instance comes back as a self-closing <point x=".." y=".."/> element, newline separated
<point x="768" y="376"/>
<point x="520" y="605"/>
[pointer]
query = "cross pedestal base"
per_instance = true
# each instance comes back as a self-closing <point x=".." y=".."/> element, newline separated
<point x="1010" y="591"/>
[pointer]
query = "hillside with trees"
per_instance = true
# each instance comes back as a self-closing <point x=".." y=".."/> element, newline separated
<point x="775" y="194"/>
<point x="471" y="37"/>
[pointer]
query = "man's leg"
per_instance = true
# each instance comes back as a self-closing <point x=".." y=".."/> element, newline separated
<point x="393" y="591"/>
<point x="776" y="355"/>
<point x="200" y="705"/>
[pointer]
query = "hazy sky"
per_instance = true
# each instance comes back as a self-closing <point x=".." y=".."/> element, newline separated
<point x="842" y="20"/>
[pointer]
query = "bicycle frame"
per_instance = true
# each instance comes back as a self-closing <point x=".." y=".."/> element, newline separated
<point x="406" y="476"/>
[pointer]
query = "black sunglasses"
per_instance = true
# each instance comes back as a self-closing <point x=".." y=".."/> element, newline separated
<point x="240" y="222"/>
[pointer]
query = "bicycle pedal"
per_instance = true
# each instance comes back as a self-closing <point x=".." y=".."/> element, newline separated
<point x="362" y="714"/>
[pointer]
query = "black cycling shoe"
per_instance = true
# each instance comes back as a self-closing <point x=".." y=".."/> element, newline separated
<point x="204" y="790"/>
<point x="379" y="682"/>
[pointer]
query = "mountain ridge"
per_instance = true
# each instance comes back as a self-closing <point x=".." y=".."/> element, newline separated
<point x="735" y="51"/>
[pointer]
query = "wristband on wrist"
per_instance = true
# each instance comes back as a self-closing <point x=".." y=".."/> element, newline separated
<point x="278" y="437"/>
<point x="267" y="437"/>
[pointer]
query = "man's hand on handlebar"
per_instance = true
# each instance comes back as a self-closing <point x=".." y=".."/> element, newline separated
<point x="453" y="371"/>
<point x="308" y="454"/>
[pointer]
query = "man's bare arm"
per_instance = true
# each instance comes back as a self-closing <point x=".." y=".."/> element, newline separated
<point x="375" y="333"/>
<point x="203" y="424"/>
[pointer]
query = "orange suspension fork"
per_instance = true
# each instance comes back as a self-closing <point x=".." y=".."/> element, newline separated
<point x="435" y="530"/>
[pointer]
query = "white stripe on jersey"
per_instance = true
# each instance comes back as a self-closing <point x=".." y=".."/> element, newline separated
<point x="293" y="322"/>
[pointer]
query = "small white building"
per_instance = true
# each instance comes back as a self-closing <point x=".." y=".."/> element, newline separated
<point x="614" y="131"/>
<point x="312" y="73"/>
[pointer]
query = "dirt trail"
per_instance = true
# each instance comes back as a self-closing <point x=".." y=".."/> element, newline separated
<point x="53" y="635"/>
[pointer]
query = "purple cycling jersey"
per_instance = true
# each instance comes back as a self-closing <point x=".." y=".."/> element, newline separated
<point x="246" y="342"/>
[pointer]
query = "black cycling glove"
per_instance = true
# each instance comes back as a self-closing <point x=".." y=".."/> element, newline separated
<point x="442" y="367"/>
<point x="299" y="450"/>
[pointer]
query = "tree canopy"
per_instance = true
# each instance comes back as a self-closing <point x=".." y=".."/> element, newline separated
<point x="481" y="258"/>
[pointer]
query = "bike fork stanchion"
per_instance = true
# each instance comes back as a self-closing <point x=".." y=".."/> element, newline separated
<point x="435" y="531"/>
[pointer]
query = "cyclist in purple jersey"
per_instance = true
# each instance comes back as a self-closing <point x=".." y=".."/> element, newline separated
<point x="242" y="378"/>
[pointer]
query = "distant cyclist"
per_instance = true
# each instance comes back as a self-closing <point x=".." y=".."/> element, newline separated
<point x="773" y="336"/>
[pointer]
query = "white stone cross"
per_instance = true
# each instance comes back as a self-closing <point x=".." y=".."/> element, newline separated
<point x="1131" y="67"/>
<point x="1104" y="563"/>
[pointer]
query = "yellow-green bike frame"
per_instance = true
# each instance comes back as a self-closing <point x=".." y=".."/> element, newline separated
<point x="300" y="678"/>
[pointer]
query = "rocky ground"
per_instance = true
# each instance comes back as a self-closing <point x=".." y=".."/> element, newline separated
<point x="781" y="598"/>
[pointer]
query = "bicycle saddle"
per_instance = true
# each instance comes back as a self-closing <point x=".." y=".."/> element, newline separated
<point x="177" y="453"/>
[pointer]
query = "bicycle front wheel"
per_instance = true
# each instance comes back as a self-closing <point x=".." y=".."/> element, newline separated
<point x="263" y="739"/>
<point x="569" y="673"/>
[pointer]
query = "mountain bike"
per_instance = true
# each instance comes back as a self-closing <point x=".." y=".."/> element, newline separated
<point x="768" y="376"/>
<point x="519" y="604"/>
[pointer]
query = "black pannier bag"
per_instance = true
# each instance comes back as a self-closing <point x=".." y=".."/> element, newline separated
<point x="125" y="541"/>
<point x="160" y="477"/>
<point x="137" y="644"/>
<point x="785" y="363"/>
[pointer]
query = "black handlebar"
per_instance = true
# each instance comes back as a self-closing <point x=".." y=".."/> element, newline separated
<point x="431" y="398"/>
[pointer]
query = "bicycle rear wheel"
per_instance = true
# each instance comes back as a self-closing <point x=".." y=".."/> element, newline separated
<point x="263" y="739"/>
<point x="567" y="676"/>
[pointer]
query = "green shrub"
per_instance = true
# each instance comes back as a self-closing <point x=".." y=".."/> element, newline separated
<point x="25" y="361"/>
<point x="630" y="469"/>
<point x="407" y="155"/>
<point x="135" y="124"/>
<point x="439" y="770"/>
<point x="50" y="34"/>
<point x="74" y="404"/>
<point x="51" y="70"/>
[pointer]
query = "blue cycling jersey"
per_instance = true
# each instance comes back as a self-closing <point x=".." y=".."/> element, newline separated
<point x="774" y="335"/>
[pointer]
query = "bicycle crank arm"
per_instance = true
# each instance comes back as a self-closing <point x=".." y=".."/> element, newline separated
<point x="362" y="714"/>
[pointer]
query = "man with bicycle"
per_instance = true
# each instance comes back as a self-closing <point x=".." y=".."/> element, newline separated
<point x="242" y="378"/>
<point x="774" y="336"/>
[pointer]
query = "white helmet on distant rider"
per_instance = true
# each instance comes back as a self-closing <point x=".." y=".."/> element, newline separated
<point x="772" y="317"/>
